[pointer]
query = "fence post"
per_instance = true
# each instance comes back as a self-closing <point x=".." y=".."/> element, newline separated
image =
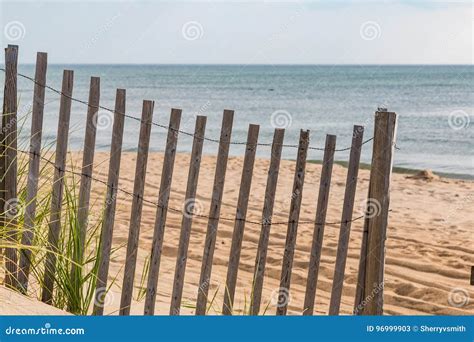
<point x="214" y="212"/>
<point x="295" y="206"/>
<point x="85" y="188"/>
<point x="267" y="213"/>
<point x="318" y="234"/>
<point x="137" y="206"/>
<point x="9" y="139"/>
<point x="369" y="292"/>
<point x="57" y="191"/>
<point x="110" y="203"/>
<point x="240" y="215"/>
<point x="189" y="204"/>
<point x="346" y="220"/>
<point x="162" y="210"/>
<point x="33" y="167"/>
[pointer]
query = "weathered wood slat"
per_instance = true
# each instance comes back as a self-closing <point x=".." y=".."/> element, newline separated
<point x="2" y="168"/>
<point x="295" y="206"/>
<point x="240" y="216"/>
<point x="85" y="188"/>
<point x="57" y="191"/>
<point x="270" y="190"/>
<point x="346" y="220"/>
<point x="360" y="286"/>
<point x="33" y="168"/>
<point x="162" y="210"/>
<point x="318" y="235"/>
<point x="370" y="296"/>
<point x="189" y="204"/>
<point x="110" y="203"/>
<point x="214" y="212"/>
<point x="137" y="206"/>
<point x="11" y="204"/>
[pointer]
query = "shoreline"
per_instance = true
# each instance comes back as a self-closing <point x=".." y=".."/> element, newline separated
<point x="343" y="163"/>
<point x="403" y="170"/>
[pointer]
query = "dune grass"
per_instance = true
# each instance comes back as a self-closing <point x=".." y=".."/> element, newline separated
<point x="74" y="293"/>
<point x="76" y="266"/>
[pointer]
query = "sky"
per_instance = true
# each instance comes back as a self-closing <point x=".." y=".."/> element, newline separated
<point x="240" y="32"/>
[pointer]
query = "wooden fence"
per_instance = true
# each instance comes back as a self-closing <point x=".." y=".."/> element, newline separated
<point x="369" y="292"/>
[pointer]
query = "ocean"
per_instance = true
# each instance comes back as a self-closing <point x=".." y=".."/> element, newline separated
<point x="434" y="106"/>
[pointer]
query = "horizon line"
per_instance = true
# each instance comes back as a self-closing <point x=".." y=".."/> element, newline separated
<point x="255" y="64"/>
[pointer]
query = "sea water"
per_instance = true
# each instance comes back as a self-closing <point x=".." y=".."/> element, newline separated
<point x="434" y="106"/>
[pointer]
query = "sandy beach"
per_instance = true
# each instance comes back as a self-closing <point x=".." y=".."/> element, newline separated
<point x="428" y="253"/>
<point x="429" y="245"/>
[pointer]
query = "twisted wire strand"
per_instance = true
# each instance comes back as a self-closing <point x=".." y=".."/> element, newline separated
<point x="157" y="205"/>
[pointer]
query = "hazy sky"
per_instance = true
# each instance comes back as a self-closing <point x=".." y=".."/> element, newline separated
<point x="241" y="32"/>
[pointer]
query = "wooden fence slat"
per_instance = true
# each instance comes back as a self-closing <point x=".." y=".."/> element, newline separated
<point x="57" y="191"/>
<point x="267" y="213"/>
<point x="344" y="233"/>
<point x="85" y="188"/>
<point x="472" y="276"/>
<point x="214" y="212"/>
<point x="360" y="286"/>
<point x="2" y="167"/>
<point x="33" y="168"/>
<point x="188" y="209"/>
<point x="162" y="210"/>
<point x="9" y="127"/>
<point x="318" y="235"/>
<point x="295" y="206"/>
<point x="373" y="251"/>
<point x="137" y="206"/>
<point x="110" y="203"/>
<point x="240" y="216"/>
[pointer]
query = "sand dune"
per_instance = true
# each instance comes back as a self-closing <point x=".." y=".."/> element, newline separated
<point x="13" y="303"/>
<point x="429" y="245"/>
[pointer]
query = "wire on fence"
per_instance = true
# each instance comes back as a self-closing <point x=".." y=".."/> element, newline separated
<point x="229" y="219"/>
<point x="177" y="130"/>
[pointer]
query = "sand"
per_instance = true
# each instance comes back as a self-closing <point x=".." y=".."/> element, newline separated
<point x="13" y="303"/>
<point x="428" y="253"/>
